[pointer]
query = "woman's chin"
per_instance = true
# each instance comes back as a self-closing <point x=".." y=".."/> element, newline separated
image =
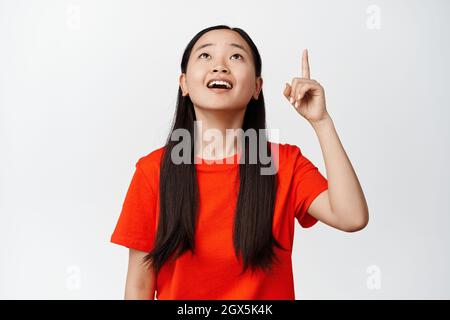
<point x="221" y="106"/>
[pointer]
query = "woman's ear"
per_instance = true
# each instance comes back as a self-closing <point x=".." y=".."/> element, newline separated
<point x="183" y="85"/>
<point x="258" y="87"/>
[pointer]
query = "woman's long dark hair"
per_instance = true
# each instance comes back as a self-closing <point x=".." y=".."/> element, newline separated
<point x="252" y="237"/>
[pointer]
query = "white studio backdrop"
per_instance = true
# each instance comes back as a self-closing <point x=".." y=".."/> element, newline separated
<point x="89" y="87"/>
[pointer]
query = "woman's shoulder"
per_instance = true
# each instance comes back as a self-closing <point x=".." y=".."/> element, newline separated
<point x="284" y="157"/>
<point x="151" y="160"/>
<point x="287" y="147"/>
<point x="285" y="151"/>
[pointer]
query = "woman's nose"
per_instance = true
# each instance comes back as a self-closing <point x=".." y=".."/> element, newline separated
<point x="220" y="69"/>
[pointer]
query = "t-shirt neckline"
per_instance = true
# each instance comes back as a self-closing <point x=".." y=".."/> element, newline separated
<point x="226" y="163"/>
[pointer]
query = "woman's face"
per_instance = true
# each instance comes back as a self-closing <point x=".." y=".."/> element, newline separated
<point x="227" y="56"/>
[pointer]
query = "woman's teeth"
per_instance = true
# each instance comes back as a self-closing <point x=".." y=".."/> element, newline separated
<point x="218" y="84"/>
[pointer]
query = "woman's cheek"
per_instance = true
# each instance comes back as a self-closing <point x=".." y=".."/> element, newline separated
<point x="248" y="86"/>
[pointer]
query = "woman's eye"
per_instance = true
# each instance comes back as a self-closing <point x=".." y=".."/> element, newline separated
<point x="203" y="54"/>
<point x="237" y="54"/>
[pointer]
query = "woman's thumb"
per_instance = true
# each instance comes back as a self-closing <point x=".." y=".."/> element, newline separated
<point x="287" y="90"/>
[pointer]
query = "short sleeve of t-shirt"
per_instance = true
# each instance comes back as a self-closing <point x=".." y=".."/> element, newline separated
<point x="308" y="184"/>
<point x="135" y="227"/>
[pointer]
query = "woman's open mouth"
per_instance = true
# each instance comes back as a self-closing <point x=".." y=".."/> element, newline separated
<point x="220" y="86"/>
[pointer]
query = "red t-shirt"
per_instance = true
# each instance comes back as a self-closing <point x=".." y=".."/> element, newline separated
<point x="213" y="272"/>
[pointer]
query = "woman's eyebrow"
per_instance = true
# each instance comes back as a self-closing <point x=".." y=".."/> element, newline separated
<point x="212" y="44"/>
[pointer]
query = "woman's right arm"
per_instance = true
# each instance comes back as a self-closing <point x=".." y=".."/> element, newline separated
<point x="140" y="283"/>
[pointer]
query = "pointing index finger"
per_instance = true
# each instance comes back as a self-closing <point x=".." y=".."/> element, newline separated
<point x="305" y="65"/>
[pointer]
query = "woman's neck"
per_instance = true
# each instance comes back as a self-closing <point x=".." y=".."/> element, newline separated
<point x="211" y="138"/>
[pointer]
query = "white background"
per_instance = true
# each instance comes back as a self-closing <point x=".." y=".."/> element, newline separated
<point x="89" y="87"/>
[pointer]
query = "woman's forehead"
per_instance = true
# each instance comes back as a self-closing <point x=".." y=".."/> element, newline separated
<point x="222" y="37"/>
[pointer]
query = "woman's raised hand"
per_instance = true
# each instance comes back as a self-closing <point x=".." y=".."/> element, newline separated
<point x="307" y="95"/>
